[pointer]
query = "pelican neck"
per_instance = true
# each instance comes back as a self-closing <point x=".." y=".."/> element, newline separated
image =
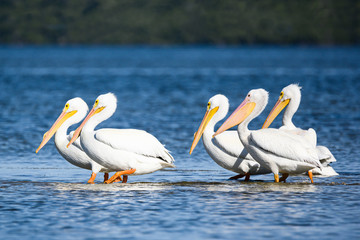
<point x="289" y="113"/>
<point x="61" y="133"/>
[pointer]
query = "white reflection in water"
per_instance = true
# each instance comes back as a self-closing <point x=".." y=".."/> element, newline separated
<point x="115" y="187"/>
<point x="198" y="186"/>
<point x="263" y="187"/>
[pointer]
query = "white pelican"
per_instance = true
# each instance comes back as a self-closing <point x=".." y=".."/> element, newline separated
<point x="225" y="149"/>
<point x="128" y="151"/>
<point x="290" y="97"/>
<point x="277" y="150"/>
<point x="74" y="111"/>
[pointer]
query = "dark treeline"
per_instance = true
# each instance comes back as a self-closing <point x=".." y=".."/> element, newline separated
<point x="179" y="22"/>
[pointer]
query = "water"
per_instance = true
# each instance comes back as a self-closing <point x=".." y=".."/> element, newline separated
<point x="165" y="92"/>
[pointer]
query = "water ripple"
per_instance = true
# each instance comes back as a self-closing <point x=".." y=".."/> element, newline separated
<point x="165" y="91"/>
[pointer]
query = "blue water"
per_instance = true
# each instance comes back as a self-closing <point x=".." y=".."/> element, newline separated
<point x="164" y="90"/>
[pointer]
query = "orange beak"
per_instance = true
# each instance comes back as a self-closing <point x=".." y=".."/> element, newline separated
<point x="78" y="130"/>
<point x="204" y="123"/>
<point x="279" y="106"/>
<point x="238" y="116"/>
<point x="59" y="121"/>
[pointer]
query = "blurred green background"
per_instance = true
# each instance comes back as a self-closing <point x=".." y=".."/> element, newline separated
<point x="179" y="22"/>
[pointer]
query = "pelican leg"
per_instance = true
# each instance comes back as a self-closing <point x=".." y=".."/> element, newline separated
<point x="247" y="177"/>
<point x="92" y="178"/>
<point x="237" y="177"/>
<point x="311" y="176"/>
<point x="283" y="178"/>
<point x="106" y="176"/>
<point x="125" y="178"/>
<point x="119" y="174"/>
<point x="276" y="177"/>
<point x="118" y="179"/>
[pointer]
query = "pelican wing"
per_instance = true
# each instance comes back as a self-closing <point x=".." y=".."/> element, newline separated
<point x="325" y="155"/>
<point x="285" y="145"/>
<point x="136" y="141"/>
<point x="230" y="143"/>
<point x="309" y="135"/>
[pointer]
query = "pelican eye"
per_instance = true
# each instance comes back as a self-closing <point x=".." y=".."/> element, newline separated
<point x="96" y="102"/>
<point x="66" y="107"/>
<point x="208" y="105"/>
<point x="281" y="95"/>
<point x="248" y="95"/>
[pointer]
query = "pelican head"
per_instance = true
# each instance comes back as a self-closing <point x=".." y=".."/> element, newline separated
<point x="289" y="93"/>
<point x="217" y="108"/>
<point x="106" y="104"/>
<point x="73" y="112"/>
<point x="251" y="107"/>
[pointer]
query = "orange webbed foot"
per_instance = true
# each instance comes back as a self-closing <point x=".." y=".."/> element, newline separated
<point x="119" y="174"/>
<point x="92" y="178"/>
<point x="276" y="177"/>
<point x="311" y="176"/>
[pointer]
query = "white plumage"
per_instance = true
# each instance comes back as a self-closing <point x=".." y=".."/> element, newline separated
<point x="289" y="99"/>
<point x="277" y="150"/>
<point x="230" y="143"/>
<point x="74" y="111"/>
<point x="127" y="151"/>
<point x="294" y="148"/>
<point x="225" y="149"/>
<point x="132" y="140"/>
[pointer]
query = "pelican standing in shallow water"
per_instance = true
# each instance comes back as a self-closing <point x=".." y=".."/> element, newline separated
<point x="74" y="111"/>
<point x="225" y="149"/>
<point x="128" y="151"/>
<point x="290" y="98"/>
<point x="277" y="150"/>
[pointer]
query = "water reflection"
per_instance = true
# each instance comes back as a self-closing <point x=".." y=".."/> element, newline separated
<point x="111" y="187"/>
<point x="258" y="187"/>
<point x="218" y="187"/>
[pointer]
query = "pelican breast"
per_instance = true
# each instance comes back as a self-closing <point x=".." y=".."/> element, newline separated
<point x="229" y="142"/>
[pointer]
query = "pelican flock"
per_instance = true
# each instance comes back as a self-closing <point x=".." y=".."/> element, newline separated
<point x="279" y="151"/>
<point x="74" y="111"/>
<point x="288" y="150"/>
<point x="226" y="149"/>
<point x="126" y="151"/>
